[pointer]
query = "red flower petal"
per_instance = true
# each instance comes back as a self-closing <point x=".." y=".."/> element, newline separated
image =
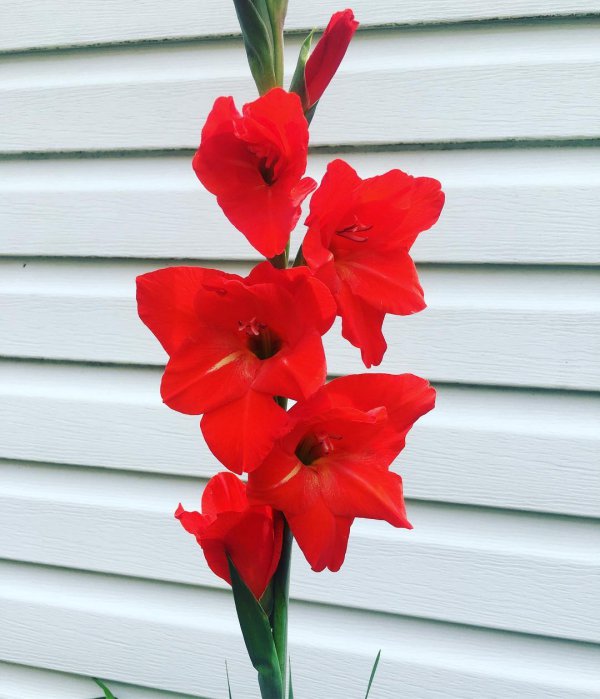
<point x="220" y="121"/>
<point x="361" y="326"/>
<point x="265" y="215"/>
<point x="166" y="301"/>
<point x="387" y="282"/>
<point x="322" y="536"/>
<point x="192" y="522"/>
<point x="395" y="207"/>
<point x="302" y="190"/>
<point x="296" y="372"/>
<point x="313" y="304"/>
<point x="251" y="543"/>
<point x="283" y="482"/>
<point x="241" y="433"/>
<point x="333" y="198"/>
<point x="224" y="492"/>
<point x="406" y="397"/>
<point x="208" y="373"/>
<point x="354" y="489"/>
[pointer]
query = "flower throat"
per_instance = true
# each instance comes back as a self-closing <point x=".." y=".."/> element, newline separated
<point x="262" y="342"/>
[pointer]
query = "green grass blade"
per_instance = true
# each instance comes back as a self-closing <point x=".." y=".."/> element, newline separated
<point x="373" y="671"/>
<point x="107" y="693"/>
<point x="228" y="685"/>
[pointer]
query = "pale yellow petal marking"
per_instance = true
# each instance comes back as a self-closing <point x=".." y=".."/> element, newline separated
<point x="289" y="476"/>
<point x="225" y="361"/>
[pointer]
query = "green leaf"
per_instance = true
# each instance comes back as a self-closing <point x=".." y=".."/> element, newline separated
<point x="373" y="671"/>
<point x="298" y="84"/>
<point x="291" y="691"/>
<point x="107" y="693"/>
<point x="258" y="637"/>
<point x="255" y="23"/>
<point x="266" y="601"/>
<point x="228" y="685"/>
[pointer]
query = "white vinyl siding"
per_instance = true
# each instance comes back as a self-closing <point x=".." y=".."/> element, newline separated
<point x="495" y="593"/>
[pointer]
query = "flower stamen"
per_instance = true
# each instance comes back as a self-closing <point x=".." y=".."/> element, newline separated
<point x="316" y="445"/>
<point x="351" y="232"/>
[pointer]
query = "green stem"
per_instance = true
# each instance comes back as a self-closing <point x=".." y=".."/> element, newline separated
<point x="281" y="261"/>
<point x="281" y="600"/>
<point x="299" y="260"/>
<point x="281" y="578"/>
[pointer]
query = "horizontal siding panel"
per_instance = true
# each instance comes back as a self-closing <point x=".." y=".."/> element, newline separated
<point x="24" y="682"/>
<point x="502" y="206"/>
<point x="499" y="326"/>
<point x="33" y="23"/>
<point x="510" y="571"/>
<point x="173" y="638"/>
<point x="494" y="593"/>
<point x="539" y="82"/>
<point x="500" y="448"/>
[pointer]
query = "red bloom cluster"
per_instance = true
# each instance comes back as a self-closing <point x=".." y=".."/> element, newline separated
<point x="239" y="346"/>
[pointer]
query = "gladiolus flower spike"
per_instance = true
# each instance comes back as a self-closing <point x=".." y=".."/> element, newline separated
<point x="238" y="347"/>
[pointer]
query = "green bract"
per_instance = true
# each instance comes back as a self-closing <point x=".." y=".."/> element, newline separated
<point x="258" y="637"/>
<point x="261" y="22"/>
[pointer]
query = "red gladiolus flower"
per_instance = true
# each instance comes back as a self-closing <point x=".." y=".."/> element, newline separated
<point x="324" y="61"/>
<point x="234" y="344"/>
<point x="229" y="526"/>
<point x="253" y="162"/>
<point x="358" y="241"/>
<point x="332" y="464"/>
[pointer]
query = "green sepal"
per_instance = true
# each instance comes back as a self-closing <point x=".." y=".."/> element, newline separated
<point x="107" y="693"/>
<point x="258" y="637"/>
<point x="257" y="30"/>
<point x="373" y="671"/>
<point x="298" y="84"/>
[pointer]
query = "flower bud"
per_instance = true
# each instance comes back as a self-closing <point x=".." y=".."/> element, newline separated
<point x="328" y="54"/>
